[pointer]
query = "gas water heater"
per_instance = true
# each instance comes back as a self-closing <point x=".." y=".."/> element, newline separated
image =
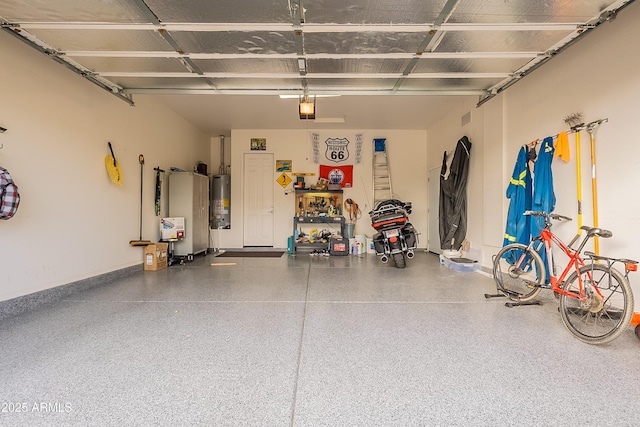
<point x="221" y="201"/>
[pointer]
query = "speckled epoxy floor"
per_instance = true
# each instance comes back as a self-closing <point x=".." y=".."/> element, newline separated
<point x="308" y="341"/>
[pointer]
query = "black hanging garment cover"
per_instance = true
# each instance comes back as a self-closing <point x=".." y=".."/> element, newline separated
<point x="453" y="197"/>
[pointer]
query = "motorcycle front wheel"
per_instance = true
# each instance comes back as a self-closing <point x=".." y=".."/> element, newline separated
<point x="399" y="260"/>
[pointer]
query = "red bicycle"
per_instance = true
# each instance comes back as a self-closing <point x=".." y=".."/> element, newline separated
<point x="596" y="301"/>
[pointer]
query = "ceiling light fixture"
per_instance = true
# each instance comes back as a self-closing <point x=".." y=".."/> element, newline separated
<point x="302" y="65"/>
<point x="307" y="108"/>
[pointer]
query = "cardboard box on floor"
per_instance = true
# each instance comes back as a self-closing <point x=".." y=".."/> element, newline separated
<point x="155" y="256"/>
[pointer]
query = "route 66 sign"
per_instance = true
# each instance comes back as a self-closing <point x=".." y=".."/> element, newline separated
<point x="337" y="149"/>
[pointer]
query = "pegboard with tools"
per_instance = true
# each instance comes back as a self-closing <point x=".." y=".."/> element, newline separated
<point x="318" y="203"/>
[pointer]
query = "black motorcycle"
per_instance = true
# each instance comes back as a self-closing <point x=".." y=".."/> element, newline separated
<point x="396" y="238"/>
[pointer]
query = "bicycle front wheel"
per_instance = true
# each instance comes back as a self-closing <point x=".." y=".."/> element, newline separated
<point x="518" y="272"/>
<point x="597" y="318"/>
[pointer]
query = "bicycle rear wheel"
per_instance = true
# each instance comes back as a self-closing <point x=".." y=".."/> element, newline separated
<point x="518" y="272"/>
<point x="597" y="319"/>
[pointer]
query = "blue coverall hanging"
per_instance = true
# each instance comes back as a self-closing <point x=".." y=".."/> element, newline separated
<point x="518" y="228"/>
<point x="544" y="198"/>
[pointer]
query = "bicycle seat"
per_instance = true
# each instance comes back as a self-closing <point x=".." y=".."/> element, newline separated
<point x="600" y="232"/>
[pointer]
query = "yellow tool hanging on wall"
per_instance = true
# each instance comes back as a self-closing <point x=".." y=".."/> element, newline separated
<point x="575" y="121"/>
<point x="113" y="168"/>
<point x="592" y="128"/>
<point x="577" y="125"/>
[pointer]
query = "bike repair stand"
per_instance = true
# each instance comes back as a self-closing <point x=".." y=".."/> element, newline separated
<point x="512" y="303"/>
<point x="173" y="259"/>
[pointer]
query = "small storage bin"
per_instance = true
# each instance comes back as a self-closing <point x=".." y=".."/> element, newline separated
<point x="461" y="265"/>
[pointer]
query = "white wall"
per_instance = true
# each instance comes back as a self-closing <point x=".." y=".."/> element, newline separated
<point x="72" y="222"/>
<point x="596" y="76"/>
<point x="407" y="153"/>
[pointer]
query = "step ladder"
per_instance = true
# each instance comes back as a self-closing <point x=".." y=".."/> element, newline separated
<point x="381" y="173"/>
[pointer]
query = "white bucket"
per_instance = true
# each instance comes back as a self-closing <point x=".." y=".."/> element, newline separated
<point x="451" y="253"/>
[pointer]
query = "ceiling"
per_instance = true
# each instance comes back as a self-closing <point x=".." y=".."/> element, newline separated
<point x="224" y="64"/>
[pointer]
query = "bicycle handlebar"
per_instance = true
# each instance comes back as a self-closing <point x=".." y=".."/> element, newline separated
<point x="554" y="216"/>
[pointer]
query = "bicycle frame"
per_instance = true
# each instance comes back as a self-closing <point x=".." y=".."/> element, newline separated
<point x="547" y="238"/>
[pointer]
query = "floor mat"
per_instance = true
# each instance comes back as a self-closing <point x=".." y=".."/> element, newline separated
<point x="252" y="254"/>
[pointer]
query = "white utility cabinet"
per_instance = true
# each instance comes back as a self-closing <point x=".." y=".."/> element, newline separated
<point x="189" y="198"/>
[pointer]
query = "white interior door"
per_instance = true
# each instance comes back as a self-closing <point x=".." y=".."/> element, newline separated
<point x="258" y="199"/>
<point x="433" y="242"/>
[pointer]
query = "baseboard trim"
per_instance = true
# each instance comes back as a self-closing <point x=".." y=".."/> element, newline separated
<point x="32" y="301"/>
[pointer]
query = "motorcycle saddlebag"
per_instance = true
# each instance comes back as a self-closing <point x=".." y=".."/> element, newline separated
<point x="410" y="237"/>
<point x="378" y="243"/>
